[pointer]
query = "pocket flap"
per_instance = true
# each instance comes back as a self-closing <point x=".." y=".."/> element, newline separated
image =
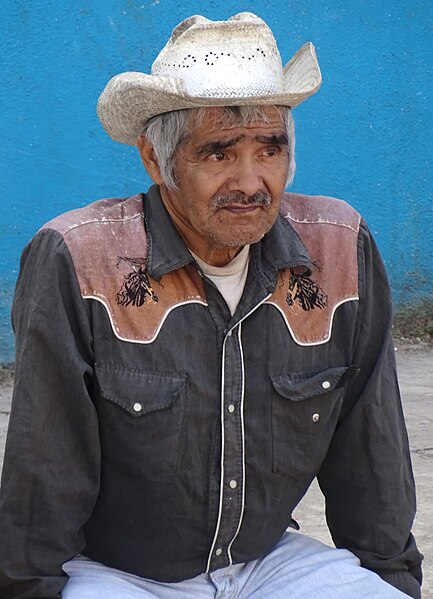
<point x="297" y="387"/>
<point x="139" y="392"/>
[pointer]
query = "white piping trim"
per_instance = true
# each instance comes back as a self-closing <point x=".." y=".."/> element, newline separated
<point x="243" y="446"/>
<point x="250" y="312"/>
<point x="103" y="221"/>
<point x="321" y="221"/>
<point x="140" y="341"/>
<point x="321" y="342"/>
<point x="220" y="510"/>
<point x="222" y="432"/>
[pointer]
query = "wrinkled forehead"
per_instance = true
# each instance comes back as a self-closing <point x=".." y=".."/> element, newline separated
<point x="227" y="117"/>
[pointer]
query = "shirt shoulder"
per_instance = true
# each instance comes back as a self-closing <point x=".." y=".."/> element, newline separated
<point x="109" y="248"/>
<point x="304" y="209"/>
<point x="101" y="235"/>
<point x="107" y="213"/>
<point x="329" y="229"/>
<point x="107" y="242"/>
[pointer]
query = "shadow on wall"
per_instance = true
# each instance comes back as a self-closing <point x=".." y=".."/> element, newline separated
<point x="414" y="322"/>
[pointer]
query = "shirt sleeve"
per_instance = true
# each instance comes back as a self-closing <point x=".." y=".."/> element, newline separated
<point x="367" y="476"/>
<point x="50" y="476"/>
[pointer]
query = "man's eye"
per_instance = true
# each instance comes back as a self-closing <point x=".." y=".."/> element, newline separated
<point x="271" y="152"/>
<point x="217" y="156"/>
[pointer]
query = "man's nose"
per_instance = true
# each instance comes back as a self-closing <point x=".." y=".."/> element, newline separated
<point x="246" y="178"/>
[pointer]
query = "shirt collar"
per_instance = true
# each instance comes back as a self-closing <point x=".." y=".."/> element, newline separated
<point x="166" y="249"/>
<point x="281" y="246"/>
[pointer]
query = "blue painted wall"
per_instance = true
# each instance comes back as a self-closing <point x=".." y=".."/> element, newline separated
<point x="365" y="137"/>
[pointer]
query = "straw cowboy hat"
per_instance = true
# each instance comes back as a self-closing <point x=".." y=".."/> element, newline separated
<point x="209" y="63"/>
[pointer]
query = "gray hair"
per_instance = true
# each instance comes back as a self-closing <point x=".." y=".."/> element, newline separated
<point x="167" y="132"/>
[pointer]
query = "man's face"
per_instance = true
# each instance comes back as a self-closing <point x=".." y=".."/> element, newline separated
<point x="229" y="184"/>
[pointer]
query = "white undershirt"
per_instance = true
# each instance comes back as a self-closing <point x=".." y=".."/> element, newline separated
<point x="229" y="279"/>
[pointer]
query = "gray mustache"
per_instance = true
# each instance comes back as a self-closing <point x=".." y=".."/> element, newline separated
<point x="261" y="198"/>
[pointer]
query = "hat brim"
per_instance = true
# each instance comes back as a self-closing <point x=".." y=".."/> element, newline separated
<point x="130" y="99"/>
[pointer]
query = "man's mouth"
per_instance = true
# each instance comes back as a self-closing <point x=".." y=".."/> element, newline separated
<point x="241" y="209"/>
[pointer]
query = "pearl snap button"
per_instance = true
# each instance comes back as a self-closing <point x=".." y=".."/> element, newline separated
<point x="233" y="484"/>
<point x="137" y="407"/>
<point x="315" y="417"/>
<point x="326" y="384"/>
<point x="231" y="408"/>
<point x="218" y="551"/>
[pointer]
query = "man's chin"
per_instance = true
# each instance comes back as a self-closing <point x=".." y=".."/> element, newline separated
<point x="239" y="240"/>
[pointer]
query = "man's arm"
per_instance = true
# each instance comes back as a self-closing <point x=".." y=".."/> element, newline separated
<point x="50" y="475"/>
<point x="367" y="475"/>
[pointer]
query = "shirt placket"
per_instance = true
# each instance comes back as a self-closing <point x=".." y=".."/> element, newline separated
<point x="232" y="483"/>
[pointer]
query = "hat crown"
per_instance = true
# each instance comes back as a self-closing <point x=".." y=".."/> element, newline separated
<point x="222" y="59"/>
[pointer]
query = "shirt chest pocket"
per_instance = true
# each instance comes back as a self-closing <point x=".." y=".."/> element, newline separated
<point x="140" y="419"/>
<point x="305" y="410"/>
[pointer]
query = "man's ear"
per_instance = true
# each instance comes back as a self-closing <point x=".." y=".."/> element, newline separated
<point x="149" y="160"/>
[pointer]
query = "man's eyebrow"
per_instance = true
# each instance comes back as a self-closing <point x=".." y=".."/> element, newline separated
<point x="273" y="140"/>
<point x="213" y="147"/>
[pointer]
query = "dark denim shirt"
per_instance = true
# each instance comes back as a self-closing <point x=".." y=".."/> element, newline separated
<point x="184" y="444"/>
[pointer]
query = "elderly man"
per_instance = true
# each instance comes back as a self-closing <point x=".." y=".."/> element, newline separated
<point x="189" y="359"/>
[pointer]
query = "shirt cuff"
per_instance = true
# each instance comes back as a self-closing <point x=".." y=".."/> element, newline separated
<point x="404" y="582"/>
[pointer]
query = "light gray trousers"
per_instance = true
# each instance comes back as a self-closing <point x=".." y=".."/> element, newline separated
<point x="298" y="568"/>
